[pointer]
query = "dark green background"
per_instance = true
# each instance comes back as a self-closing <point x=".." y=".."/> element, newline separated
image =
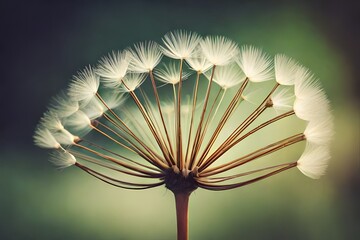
<point x="44" y="44"/>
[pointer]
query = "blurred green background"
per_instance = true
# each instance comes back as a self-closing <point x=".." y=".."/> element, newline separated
<point x="44" y="44"/>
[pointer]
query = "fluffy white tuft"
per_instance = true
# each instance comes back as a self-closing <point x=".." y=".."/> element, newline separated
<point x="78" y="121"/>
<point x="285" y="69"/>
<point x="320" y="131"/>
<point x="170" y="73"/>
<point x="84" y="86"/>
<point x="63" y="106"/>
<point x="51" y="121"/>
<point x="113" y="68"/>
<point x="306" y="85"/>
<point x="255" y="64"/>
<point x="94" y="109"/>
<point x="219" y="50"/>
<point x="144" y="57"/>
<point x="64" y="137"/>
<point x="180" y="44"/>
<point x="313" y="162"/>
<point x="62" y="159"/>
<point x="132" y="81"/>
<point x="315" y="107"/>
<point x="227" y="76"/>
<point x="311" y="102"/>
<point x="43" y="138"/>
<point x="114" y="99"/>
<point x="199" y="63"/>
<point x="282" y="100"/>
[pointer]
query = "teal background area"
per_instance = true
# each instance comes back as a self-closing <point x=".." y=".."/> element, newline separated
<point x="44" y="44"/>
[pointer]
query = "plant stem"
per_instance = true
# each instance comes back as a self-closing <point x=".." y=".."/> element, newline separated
<point x="182" y="216"/>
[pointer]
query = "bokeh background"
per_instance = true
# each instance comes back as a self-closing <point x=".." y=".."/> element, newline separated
<point x="43" y="44"/>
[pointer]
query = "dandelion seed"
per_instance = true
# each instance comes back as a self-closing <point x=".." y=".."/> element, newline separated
<point x="132" y="81"/>
<point x="255" y="64"/>
<point x="170" y="73"/>
<point x="285" y="69"/>
<point x="314" y="161"/>
<point x="182" y="136"/>
<point x="227" y="76"/>
<point x="62" y="106"/>
<point x="219" y="50"/>
<point x="180" y="44"/>
<point x="62" y="159"/>
<point x="43" y="138"/>
<point x="198" y="62"/>
<point x="320" y="131"/>
<point x="84" y="86"/>
<point x="282" y="100"/>
<point x="113" y="68"/>
<point x="144" y="57"/>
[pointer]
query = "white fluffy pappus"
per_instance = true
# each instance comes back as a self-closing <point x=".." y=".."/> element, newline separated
<point x="180" y="44"/>
<point x="255" y="64"/>
<point x="51" y="121"/>
<point x="285" y="69"/>
<point x="62" y="159"/>
<point x="44" y="138"/>
<point x="219" y="50"/>
<point x="113" y="68"/>
<point x="314" y="161"/>
<point x="144" y="57"/>
<point x="320" y="131"/>
<point x="227" y="76"/>
<point x="312" y="108"/>
<point x="132" y="81"/>
<point x="198" y="62"/>
<point x="282" y="100"/>
<point x="64" y="137"/>
<point x="63" y="106"/>
<point x="78" y="121"/>
<point x="170" y="73"/>
<point x="84" y="86"/>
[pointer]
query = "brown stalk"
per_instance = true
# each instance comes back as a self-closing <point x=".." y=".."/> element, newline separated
<point x="195" y="92"/>
<point x="217" y="187"/>
<point x="111" y="180"/>
<point x="251" y="156"/>
<point x="228" y="112"/>
<point x="196" y="147"/>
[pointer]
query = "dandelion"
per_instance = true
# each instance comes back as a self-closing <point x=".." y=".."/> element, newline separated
<point x="181" y="136"/>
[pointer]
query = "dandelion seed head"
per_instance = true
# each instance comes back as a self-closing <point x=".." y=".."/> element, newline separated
<point x="188" y="134"/>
